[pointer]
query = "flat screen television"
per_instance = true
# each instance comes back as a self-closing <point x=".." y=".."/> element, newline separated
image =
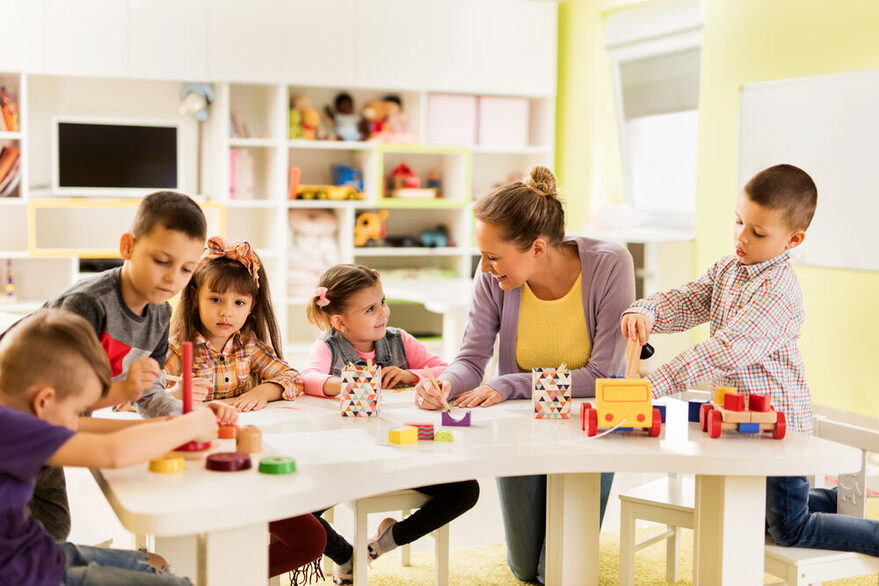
<point x="96" y="157"/>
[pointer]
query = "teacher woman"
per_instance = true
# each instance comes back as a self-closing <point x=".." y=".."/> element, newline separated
<point x="547" y="299"/>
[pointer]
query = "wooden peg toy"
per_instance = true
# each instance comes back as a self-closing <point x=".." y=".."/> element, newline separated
<point x="228" y="462"/>
<point x="633" y="359"/>
<point x="187" y="399"/>
<point x="249" y="440"/>
<point x="227" y="432"/>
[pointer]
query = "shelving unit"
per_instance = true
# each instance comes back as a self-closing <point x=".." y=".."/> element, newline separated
<point x="43" y="235"/>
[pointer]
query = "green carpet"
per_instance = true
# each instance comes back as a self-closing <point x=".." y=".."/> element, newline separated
<point x="487" y="565"/>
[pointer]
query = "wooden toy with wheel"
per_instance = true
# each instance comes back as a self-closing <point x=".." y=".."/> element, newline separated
<point x="732" y="411"/>
<point x="624" y="402"/>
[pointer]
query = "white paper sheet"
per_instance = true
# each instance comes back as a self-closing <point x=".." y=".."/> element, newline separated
<point x="415" y="415"/>
<point x="323" y="447"/>
<point x="280" y="413"/>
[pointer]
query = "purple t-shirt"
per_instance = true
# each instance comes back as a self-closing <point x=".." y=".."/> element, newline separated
<point x="28" y="555"/>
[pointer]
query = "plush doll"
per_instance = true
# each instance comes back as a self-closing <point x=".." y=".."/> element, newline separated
<point x="346" y="123"/>
<point x="313" y="249"/>
<point x="374" y="114"/>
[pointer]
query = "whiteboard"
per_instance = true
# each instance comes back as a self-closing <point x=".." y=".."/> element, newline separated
<point x="829" y="126"/>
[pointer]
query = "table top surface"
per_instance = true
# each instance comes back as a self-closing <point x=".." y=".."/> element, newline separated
<point x="344" y="458"/>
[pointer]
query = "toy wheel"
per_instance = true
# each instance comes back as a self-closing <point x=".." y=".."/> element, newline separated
<point x="714" y="423"/>
<point x="657" y="423"/>
<point x="584" y="407"/>
<point x="591" y="422"/>
<point x="780" y="425"/>
<point x="703" y="416"/>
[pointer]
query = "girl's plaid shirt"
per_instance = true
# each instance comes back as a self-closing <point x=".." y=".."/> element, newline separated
<point x="246" y="363"/>
<point x="755" y="313"/>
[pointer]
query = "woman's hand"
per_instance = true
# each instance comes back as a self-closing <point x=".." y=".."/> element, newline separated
<point x="634" y="327"/>
<point x="392" y="376"/>
<point x="427" y="397"/>
<point x="481" y="396"/>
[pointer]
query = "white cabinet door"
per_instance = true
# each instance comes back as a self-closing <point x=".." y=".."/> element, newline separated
<point x="21" y="42"/>
<point x="246" y="40"/>
<point x="391" y="44"/>
<point x="168" y="39"/>
<point x="86" y="37"/>
<point x="493" y="46"/>
<point x="319" y="42"/>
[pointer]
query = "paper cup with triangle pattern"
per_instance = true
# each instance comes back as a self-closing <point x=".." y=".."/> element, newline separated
<point x="361" y="391"/>
<point x="551" y="392"/>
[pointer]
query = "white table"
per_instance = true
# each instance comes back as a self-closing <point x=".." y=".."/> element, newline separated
<point x="212" y="526"/>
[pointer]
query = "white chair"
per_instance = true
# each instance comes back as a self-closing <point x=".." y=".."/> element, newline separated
<point x="402" y="500"/>
<point x="670" y="501"/>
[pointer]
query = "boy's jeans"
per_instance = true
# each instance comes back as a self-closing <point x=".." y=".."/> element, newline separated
<point x="99" y="566"/>
<point x="799" y="517"/>
<point x="523" y="506"/>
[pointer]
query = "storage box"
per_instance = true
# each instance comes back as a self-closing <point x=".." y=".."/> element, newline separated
<point x="451" y="119"/>
<point x="361" y="391"/>
<point x="503" y="122"/>
<point x="551" y="393"/>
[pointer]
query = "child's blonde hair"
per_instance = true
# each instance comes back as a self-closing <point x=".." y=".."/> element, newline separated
<point x="50" y="348"/>
<point x="334" y="291"/>
<point x="221" y="274"/>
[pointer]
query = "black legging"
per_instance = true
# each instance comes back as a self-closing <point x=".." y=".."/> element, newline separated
<point x="447" y="502"/>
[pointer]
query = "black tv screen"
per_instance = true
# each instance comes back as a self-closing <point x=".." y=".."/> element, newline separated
<point x="119" y="156"/>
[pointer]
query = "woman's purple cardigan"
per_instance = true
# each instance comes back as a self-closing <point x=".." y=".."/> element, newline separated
<point x="608" y="289"/>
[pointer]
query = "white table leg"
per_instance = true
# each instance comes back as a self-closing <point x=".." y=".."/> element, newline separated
<point x="219" y="558"/>
<point x="729" y="530"/>
<point x="572" y="522"/>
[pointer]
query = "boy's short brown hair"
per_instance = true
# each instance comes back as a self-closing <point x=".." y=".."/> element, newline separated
<point x="50" y="348"/>
<point x="786" y="188"/>
<point x="174" y="211"/>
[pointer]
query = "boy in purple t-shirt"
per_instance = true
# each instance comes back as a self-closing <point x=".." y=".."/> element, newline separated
<point x="53" y="369"/>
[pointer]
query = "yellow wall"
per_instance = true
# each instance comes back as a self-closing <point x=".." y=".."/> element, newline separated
<point x="744" y="41"/>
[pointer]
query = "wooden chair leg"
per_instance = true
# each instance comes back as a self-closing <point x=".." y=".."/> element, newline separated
<point x="627" y="544"/>
<point x="673" y="555"/>
<point x="441" y="555"/>
<point x="360" y="537"/>
<point x="405" y="550"/>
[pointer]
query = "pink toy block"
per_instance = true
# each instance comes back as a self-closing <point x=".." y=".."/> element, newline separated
<point x="734" y="401"/>
<point x="758" y="402"/>
<point x="425" y="430"/>
<point x="448" y="420"/>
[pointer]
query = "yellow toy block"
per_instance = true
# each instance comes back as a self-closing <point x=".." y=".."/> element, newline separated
<point x="763" y="416"/>
<point x="719" y="392"/>
<point x="624" y="398"/>
<point x="735" y="416"/>
<point x="403" y="435"/>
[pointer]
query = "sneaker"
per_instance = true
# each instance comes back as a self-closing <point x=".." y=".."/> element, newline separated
<point x="342" y="575"/>
<point x="372" y="546"/>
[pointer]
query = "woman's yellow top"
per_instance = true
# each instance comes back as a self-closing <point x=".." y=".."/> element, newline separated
<point x="552" y="332"/>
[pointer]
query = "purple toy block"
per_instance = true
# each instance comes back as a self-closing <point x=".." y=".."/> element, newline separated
<point x="448" y="420"/>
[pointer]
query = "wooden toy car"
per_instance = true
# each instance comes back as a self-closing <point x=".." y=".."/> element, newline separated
<point x="621" y="400"/>
<point x="730" y="410"/>
<point x="333" y="192"/>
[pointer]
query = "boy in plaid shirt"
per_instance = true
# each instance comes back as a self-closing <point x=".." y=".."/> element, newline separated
<point x="753" y="303"/>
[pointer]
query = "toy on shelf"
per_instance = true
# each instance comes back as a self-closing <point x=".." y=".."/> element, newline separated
<point x="237" y="126"/>
<point x="370" y="228"/>
<point x="361" y="391"/>
<point x="403" y="182"/>
<point x="304" y="119"/>
<point x="249" y="440"/>
<point x="622" y="401"/>
<point x="551" y="392"/>
<point x="436" y="238"/>
<point x="383" y="121"/>
<point x="346" y="123"/>
<point x="403" y="436"/>
<point x="328" y="192"/>
<point x="347" y="176"/>
<point x="732" y="410"/>
<point x="313" y="248"/>
<point x="8" y="282"/>
<point x="434" y="182"/>
<point x="186" y="371"/>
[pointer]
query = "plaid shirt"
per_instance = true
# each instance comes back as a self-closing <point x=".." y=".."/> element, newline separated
<point x="232" y="368"/>
<point x="755" y="312"/>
